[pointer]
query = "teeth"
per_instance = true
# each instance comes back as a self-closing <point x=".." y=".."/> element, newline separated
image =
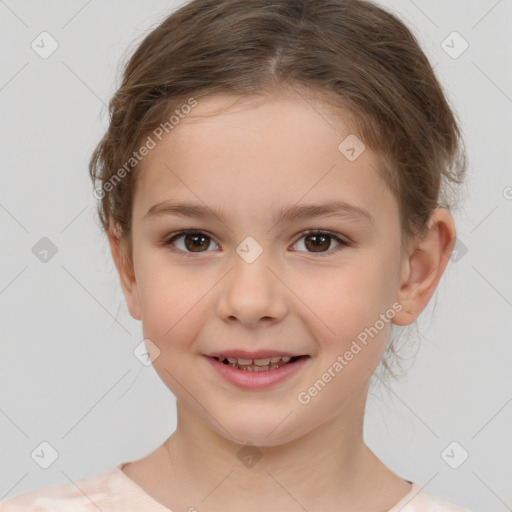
<point x="256" y="364"/>
<point x="261" y="362"/>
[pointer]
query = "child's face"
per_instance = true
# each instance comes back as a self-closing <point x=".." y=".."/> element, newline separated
<point x="249" y="163"/>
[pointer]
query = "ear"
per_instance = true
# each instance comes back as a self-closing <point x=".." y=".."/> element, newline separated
<point x="424" y="265"/>
<point x="125" y="269"/>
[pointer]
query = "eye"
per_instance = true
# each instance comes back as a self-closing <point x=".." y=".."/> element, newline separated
<point x="194" y="241"/>
<point x="320" y="241"/>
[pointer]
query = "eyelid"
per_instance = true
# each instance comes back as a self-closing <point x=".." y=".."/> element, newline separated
<point x="342" y="241"/>
<point x="317" y="231"/>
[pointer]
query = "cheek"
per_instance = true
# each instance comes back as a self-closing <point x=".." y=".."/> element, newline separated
<point x="172" y="315"/>
<point x="354" y="310"/>
<point x="359" y="319"/>
<point x="170" y="300"/>
<point x="348" y="298"/>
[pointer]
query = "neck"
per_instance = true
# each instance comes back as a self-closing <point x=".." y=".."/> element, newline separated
<point x="330" y="465"/>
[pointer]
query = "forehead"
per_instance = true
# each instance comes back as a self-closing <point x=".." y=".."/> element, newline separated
<point x="245" y="154"/>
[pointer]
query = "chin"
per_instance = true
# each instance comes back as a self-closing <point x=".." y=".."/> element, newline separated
<point x="260" y="429"/>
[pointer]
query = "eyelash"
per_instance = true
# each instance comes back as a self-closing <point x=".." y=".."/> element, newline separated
<point x="343" y="243"/>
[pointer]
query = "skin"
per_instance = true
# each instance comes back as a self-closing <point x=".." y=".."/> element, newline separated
<point x="250" y="157"/>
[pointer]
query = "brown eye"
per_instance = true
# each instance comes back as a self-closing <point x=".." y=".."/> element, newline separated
<point x="317" y="241"/>
<point x="193" y="242"/>
<point x="190" y="241"/>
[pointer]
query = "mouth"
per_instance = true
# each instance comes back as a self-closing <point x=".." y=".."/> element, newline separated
<point x="261" y="364"/>
<point x="256" y="372"/>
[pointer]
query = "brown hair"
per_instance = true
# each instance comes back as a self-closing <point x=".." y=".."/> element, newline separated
<point x="358" y="57"/>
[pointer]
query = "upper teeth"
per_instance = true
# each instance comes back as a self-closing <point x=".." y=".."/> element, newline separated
<point x="257" y="362"/>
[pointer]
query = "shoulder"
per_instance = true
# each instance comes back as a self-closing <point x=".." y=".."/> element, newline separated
<point x="417" y="500"/>
<point x="86" y="495"/>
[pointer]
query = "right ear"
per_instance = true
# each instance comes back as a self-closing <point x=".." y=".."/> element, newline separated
<point x="126" y="273"/>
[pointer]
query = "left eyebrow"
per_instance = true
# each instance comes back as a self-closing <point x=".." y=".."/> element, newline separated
<point x="286" y="214"/>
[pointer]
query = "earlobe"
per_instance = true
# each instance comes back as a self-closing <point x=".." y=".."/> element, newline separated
<point x="126" y="274"/>
<point x="424" y="266"/>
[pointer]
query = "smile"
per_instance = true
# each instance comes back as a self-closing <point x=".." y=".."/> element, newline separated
<point x="257" y="373"/>
<point x="257" y="365"/>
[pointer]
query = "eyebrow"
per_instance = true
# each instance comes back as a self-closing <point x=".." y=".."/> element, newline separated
<point x="286" y="214"/>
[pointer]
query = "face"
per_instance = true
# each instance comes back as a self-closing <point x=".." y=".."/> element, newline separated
<point x="247" y="280"/>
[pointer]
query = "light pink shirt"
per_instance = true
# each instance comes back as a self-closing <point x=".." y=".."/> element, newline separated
<point x="113" y="491"/>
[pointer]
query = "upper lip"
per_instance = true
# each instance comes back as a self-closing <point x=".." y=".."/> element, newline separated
<point x="259" y="354"/>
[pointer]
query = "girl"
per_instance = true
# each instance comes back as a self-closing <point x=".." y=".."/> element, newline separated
<point x="271" y="186"/>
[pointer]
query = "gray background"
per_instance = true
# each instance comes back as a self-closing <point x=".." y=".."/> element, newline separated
<point x="68" y="374"/>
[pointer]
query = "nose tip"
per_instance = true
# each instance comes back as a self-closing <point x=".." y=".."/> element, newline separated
<point x="251" y="294"/>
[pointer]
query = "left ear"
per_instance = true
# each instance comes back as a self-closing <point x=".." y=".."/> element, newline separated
<point x="423" y="267"/>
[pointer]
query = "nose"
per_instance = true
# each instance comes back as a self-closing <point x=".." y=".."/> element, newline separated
<point x="252" y="293"/>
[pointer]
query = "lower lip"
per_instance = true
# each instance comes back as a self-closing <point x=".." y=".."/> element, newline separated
<point x="256" y="380"/>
